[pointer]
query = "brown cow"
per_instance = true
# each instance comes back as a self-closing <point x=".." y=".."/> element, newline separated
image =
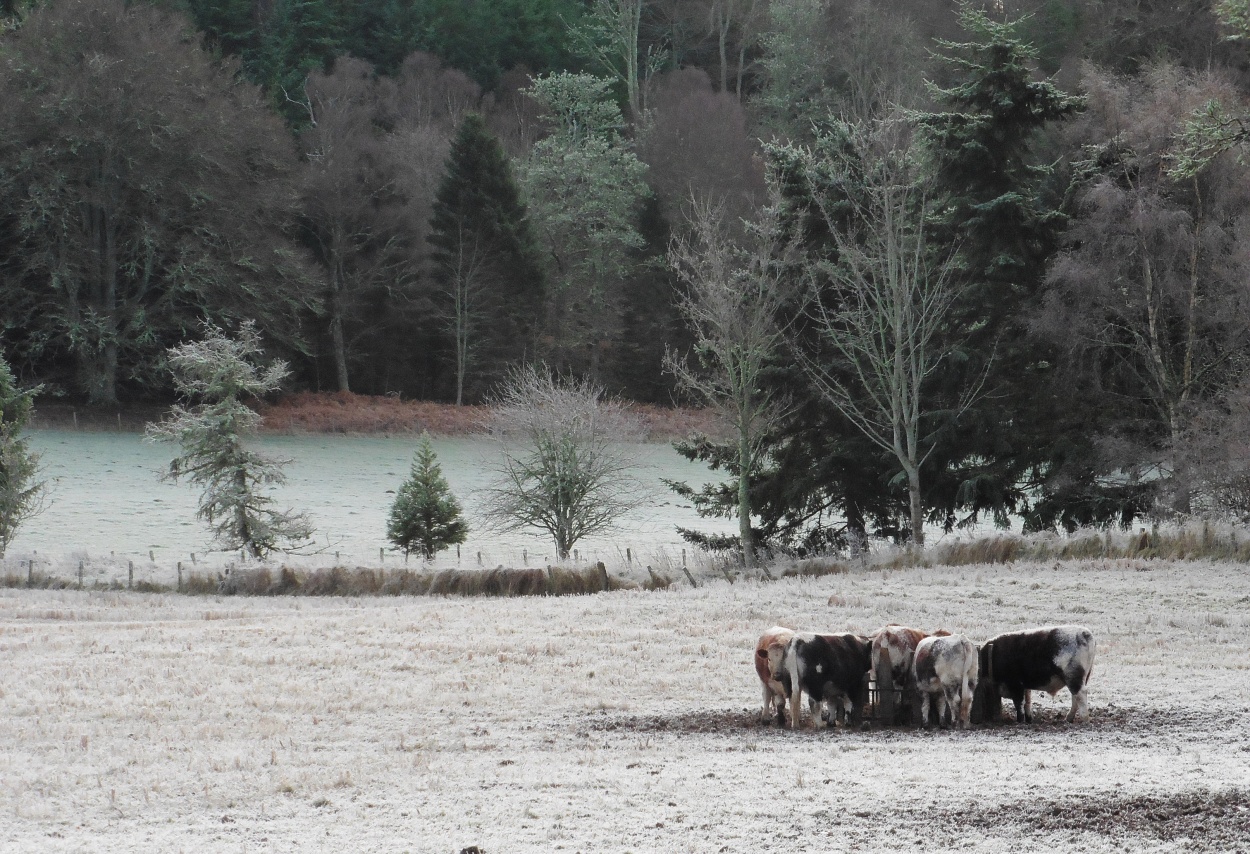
<point x="776" y="685"/>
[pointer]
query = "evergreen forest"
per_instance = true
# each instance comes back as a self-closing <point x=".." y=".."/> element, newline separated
<point x="937" y="262"/>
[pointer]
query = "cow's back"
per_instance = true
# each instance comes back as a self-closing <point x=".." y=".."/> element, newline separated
<point x="1033" y="658"/>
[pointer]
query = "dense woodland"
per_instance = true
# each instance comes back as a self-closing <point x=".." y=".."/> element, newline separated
<point x="1001" y="255"/>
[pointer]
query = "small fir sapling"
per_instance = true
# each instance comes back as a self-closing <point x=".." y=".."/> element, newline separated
<point x="218" y="371"/>
<point x="20" y="493"/>
<point x="426" y="517"/>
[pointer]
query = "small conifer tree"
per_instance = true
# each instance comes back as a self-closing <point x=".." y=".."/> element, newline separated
<point x="218" y="371"/>
<point x="426" y="516"/>
<point x="20" y="494"/>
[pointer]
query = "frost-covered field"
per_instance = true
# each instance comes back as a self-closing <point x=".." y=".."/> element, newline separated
<point x="610" y="723"/>
<point x="107" y="507"/>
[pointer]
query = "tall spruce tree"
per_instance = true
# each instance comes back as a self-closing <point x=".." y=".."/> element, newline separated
<point x="994" y="207"/>
<point x="489" y="281"/>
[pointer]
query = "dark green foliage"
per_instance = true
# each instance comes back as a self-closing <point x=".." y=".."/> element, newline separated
<point x="994" y="205"/>
<point x="20" y="493"/>
<point x="425" y="516"/>
<point x="490" y="284"/>
<point x="229" y="26"/>
<point x="298" y="37"/>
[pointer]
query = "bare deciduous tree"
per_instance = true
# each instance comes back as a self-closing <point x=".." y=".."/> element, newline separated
<point x="885" y="314"/>
<point x="733" y="299"/>
<point x="696" y="144"/>
<point x="563" y="465"/>
<point x="1149" y="298"/>
<point x="610" y="36"/>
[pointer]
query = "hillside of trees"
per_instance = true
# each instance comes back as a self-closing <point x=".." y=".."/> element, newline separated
<point x="980" y="262"/>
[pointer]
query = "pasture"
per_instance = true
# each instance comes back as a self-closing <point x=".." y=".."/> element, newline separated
<point x="618" y="722"/>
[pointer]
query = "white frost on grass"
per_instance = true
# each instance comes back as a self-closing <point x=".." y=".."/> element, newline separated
<point x="107" y="508"/>
<point x="607" y="723"/>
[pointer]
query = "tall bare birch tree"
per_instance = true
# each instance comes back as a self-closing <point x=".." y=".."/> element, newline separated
<point x="884" y="310"/>
<point x="733" y="297"/>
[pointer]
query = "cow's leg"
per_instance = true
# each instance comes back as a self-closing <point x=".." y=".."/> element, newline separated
<point x="1028" y="706"/>
<point x="1076" y="685"/>
<point x="965" y="705"/>
<point x="924" y="708"/>
<point x="1018" y="695"/>
<point x="769" y="705"/>
<point x="951" y="696"/>
<point x="819" y="711"/>
<point x="779" y="703"/>
<point x="796" y="694"/>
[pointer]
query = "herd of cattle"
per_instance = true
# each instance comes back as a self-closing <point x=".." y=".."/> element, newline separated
<point x="834" y="670"/>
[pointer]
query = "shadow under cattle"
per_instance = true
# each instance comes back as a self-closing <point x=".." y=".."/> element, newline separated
<point x="1109" y="720"/>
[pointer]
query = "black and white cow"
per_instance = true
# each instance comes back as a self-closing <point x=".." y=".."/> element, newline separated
<point x="830" y="669"/>
<point x="946" y="667"/>
<point x="1041" y="660"/>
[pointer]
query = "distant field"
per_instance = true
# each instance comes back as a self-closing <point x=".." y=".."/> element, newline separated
<point x="619" y="722"/>
<point x="108" y="508"/>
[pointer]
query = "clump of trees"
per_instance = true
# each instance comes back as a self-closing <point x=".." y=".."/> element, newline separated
<point x="220" y="371"/>
<point x="362" y="211"/>
<point x="425" y="516"/>
<point x="145" y="187"/>
<point x="21" y="493"/>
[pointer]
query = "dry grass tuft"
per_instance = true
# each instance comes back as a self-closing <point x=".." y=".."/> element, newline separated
<point x="816" y="568"/>
<point x="198" y="584"/>
<point x="1195" y="541"/>
<point x="366" y="581"/>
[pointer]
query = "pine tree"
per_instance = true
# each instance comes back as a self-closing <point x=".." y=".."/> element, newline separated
<point x="485" y="258"/>
<point x="219" y="371"/>
<point x="425" y="516"/>
<point x="992" y="195"/>
<point x="20" y="493"/>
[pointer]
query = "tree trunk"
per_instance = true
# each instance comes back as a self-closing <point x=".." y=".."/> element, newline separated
<point x="744" y="501"/>
<point x="917" y="508"/>
<point x="337" y="342"/>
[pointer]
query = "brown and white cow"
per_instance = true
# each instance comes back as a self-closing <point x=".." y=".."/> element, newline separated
<point x="1046" y="659"/>
<point x="776" y="684"/>
<point x="948" y="667"/>
<point x="830" y="669"/>
<point x="897" y="644"/>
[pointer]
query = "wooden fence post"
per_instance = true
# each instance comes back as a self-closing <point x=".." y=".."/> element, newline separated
<point x="603" y="574"/>
<point x="130" y="575"/>
<point x="987" y="705"/>
<point x="885" y="689"/>
<point x="80" y="575"/>
<point x="179" y="576"/>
